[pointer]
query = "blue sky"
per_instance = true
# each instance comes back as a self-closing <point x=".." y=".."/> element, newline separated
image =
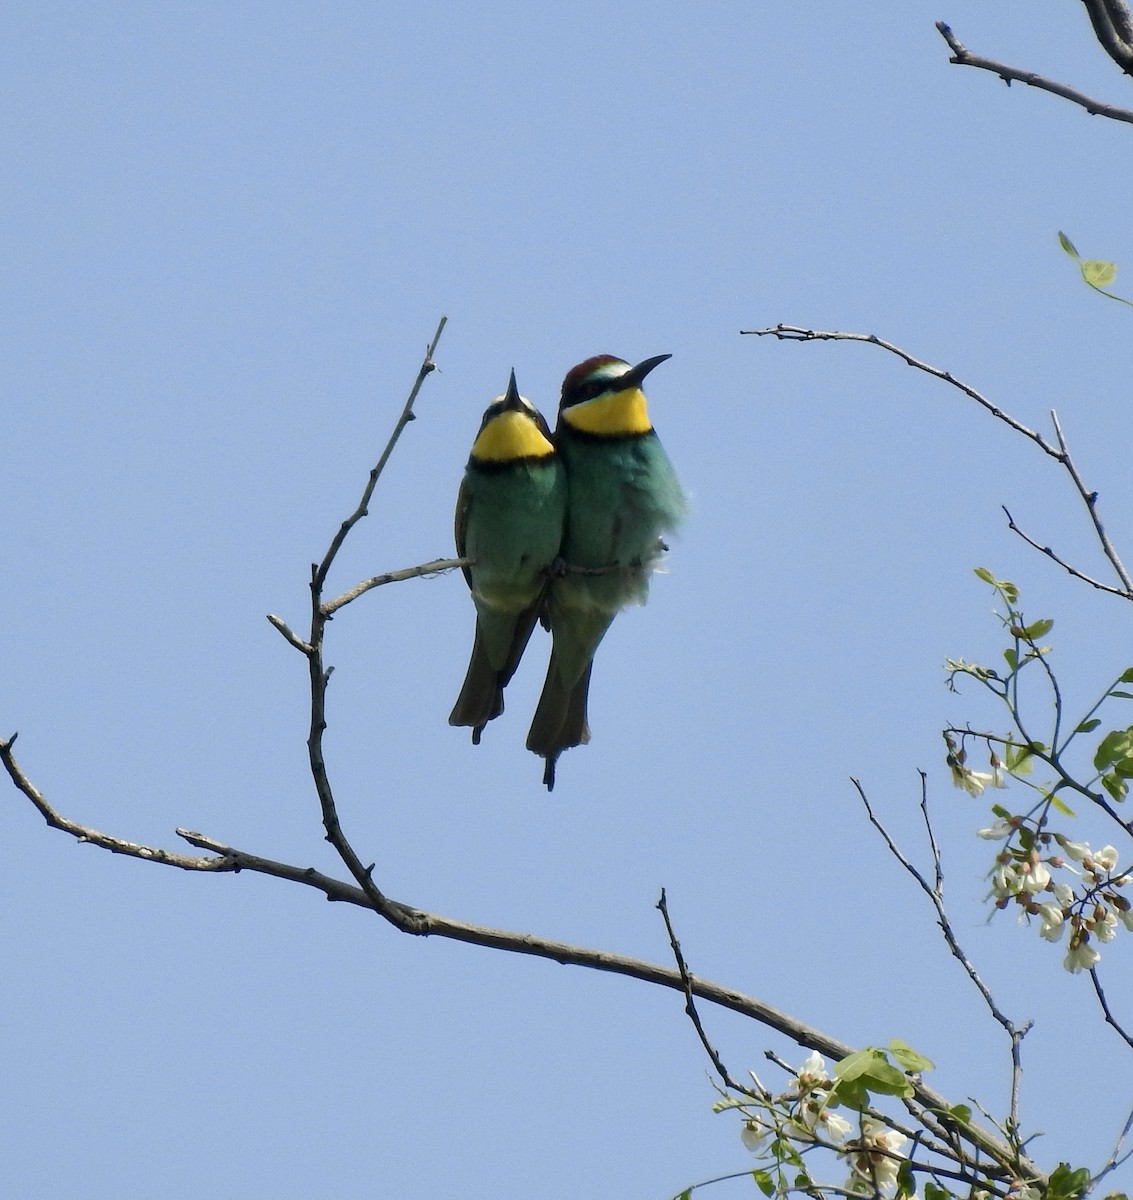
<point x="229" y="232"/>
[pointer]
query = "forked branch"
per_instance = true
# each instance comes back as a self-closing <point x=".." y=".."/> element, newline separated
<point x="1058" y="450"/>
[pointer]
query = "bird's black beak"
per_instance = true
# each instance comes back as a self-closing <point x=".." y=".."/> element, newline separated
<point x="512" y="401"/>
<point x="633" y="377"/>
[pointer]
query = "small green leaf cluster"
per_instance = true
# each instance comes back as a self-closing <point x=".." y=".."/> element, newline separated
<point x="1097" y="274"/>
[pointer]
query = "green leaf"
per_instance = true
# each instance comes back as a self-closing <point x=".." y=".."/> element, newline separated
<point x="1099" y="274"/>
<point x="1020" y="760"/>
<point x="764" y="1182"/>
<point x="872" y="1070"/>
<point x="961" y="1113"/>
<point x="984" y="574"/>
<point x="686" y="1194"/>
<point x="1012" y="658"/>
<point x="1127" y="676"/>
<point x="1122" y="695"/>
<point x="1116" y="787"/>
<point x="1087" y="726"/>
<point x="1038" y="629"/>
<point x="1116" y="745"/>
<point x="913" y="1062"/>
<point x="906" y="1184"/>
<point x="851" y="1093"/>
<point x="1066" y="1183"/>
<point x="1067" y="244"/>
<point x="933" y="1191"/>
<point x="1062" y="806"/>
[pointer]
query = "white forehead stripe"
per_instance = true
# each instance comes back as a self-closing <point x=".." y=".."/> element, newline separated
<point x="612" y="370"/>
<point x="523" y="400"/>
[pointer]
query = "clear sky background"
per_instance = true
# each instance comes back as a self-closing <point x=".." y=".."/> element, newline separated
<point x="228" y="233"/>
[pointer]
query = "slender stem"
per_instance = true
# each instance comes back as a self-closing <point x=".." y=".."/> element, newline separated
<point x="690" y="1005"/>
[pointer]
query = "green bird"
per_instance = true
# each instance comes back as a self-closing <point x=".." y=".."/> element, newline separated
<point x="509" y="518"/>
<point x="622" y="495"/>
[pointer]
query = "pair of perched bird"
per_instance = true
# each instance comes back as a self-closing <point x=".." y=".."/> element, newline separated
<point x="563" y="528"/>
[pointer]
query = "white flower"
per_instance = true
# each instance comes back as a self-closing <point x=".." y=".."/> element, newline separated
<point x="1036" y="877"/>
<point x="876" y="1156"/>
<point x="812" y="1071"/>
<point x="1081" y="957"/>
<point x="1075" y="850"/>
<point x="997" y="777"/>
<point x="816" y="1118"/>
<point x="755" y="1134"/>
<point x="1064" y="894"/>
<point x="1105" y="926"/>
<point x="972" y="782"/>
<point x="836" y="1127"/>
<point x="993" y="833"/>
<point x="1106" y="858"/>
<point x="1053" y="922"/>
<point x="1005" y="880"/>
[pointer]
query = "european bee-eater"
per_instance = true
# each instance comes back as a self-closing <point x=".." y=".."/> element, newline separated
<point x="622" y="495"/>
<point x="509" y="518"/>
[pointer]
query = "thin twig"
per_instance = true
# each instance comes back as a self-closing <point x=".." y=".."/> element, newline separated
<point x="1110" y="1019"/>
<point x="105" y="841"/>
<point x="690" y="1006"/>
<point x="797" y="333"/>
<point x="1116" y="1157"/>
<point x="1123" y="593"/>
<point x="963" y="57"/>
<point x="404" y="918"/>
<point x="935" y="893"/>
<point x="289" y="634"/>
<point x="427" y="368"/>
<point x="1060" y="452"/>
<point x="1091" y="501"/>
<point x="437" y="567"/>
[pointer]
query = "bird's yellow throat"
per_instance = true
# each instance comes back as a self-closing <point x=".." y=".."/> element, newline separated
<point x="613" y="414"/>
<point x="511" y="435"/>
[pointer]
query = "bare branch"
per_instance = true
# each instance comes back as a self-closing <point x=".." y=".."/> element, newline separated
<point x="1091" y="501"/>
<point x="414" y="921"/>
<point x="427" y="368"/>
<point x="1116" y="1156"/>
<point x="963" y="57"/>
<point x="1070" y="570"/>
<point x="104" y="841"/>
<point x="289" y="634"/>
<point x="406" y="919"/>
<point x="796" y="333"/>
<point x="1110" y="1019"/>
<point x="1113" y="26"/>
<point x="1059" y="452"/>
<point x="437" y="567"/>
<point x="690" y="1005"/>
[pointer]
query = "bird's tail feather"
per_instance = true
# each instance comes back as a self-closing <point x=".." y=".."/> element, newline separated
<point x="560" y="719"/>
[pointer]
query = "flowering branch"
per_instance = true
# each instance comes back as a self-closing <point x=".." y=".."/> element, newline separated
<point x="935" y="894"/>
